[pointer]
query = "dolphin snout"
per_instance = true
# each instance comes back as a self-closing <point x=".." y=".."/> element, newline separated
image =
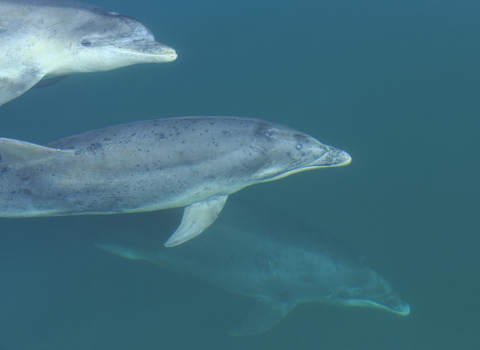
<point x="152" y="50"/>
<point x="170" y="54"/>
<point x="332" y="157"/>
<point x="155" y="48"/>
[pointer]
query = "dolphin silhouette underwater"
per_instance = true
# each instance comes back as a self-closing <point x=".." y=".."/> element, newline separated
<point x="191" y="162"/>
<point x="271" y="256"/>
<point x="49" y="39"/>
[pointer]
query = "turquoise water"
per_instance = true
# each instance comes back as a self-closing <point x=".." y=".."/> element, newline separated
<point x="397" y="85"/>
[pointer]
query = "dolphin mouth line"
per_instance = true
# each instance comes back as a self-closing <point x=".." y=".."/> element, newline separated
<point x="403" y="308"/>
<point x="143" y="46"/>
<point x="159" y="56"/>
<point x="323" y="163"/>
<point x="346" y="162"/>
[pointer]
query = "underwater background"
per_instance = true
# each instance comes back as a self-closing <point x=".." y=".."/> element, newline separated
<point x="394" y="83"/>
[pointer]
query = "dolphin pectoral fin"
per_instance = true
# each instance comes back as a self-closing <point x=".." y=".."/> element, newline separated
<point x="265" y="314"/>
<point x="196" y="218"/>
<point x="11" y="87"/>
<point x="49" y="82"/>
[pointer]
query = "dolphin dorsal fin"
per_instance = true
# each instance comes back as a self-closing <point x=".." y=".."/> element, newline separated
<point x="265" y="314"/>
<point x="15" y="151"/>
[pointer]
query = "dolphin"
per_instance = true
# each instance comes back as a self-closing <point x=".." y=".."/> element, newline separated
<point x="273" y="257"/>
<point x="49" y="39"/>
<point x="191" y="162"/>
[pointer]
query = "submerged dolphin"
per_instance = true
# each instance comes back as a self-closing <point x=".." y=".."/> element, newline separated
<point x="191" y="162"/>
<point x="275" y="258"/>
<point x="53" y="38"/>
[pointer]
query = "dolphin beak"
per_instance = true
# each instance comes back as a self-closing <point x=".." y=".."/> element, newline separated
<point x="390" y="302"/>
<point x="333" y="157"/>
<point x="166" y="52"/>
<point x="156" y="51"/>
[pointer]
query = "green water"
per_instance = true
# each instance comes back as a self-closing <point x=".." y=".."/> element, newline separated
<point x="396" y="84"/>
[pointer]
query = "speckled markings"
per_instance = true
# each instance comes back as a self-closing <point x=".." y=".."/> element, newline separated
<point x="153" y="165"/>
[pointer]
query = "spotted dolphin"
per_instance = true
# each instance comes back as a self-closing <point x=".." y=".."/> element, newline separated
<point x="49" y="39"/>
<point x="191" y="162"/>
<point x="271" y="256"/>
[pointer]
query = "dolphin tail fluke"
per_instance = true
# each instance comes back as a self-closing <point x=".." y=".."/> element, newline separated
<point x="196" y="218"/>
<point x="265" y="314"/>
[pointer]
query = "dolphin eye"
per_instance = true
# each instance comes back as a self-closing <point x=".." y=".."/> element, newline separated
<point x="86" y="43"/>
<point x="270" y="134"/>
<point x="298" y="146"/>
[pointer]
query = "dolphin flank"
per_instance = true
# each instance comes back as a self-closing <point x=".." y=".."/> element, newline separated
<point x="191" y="162"/>
<point x="49" y="39"/>
<point x="272" y="257"/>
